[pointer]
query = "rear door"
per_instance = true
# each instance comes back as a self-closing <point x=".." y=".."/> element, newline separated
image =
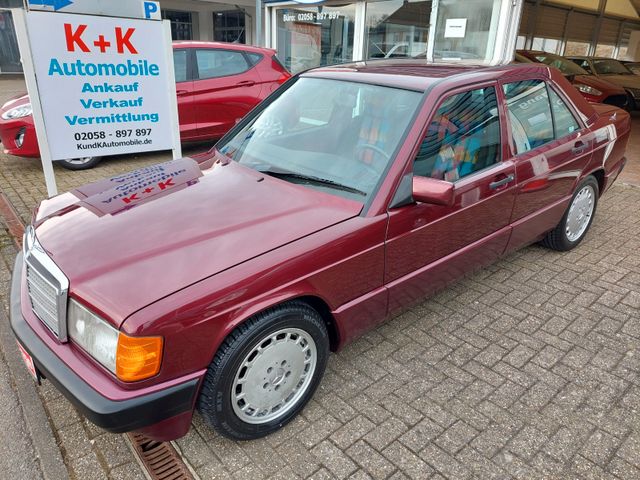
<point x="183" y="66"/>
<point x="226" y="87"/>
<point x="430" y="245"/>
<point x="550" y="148"/>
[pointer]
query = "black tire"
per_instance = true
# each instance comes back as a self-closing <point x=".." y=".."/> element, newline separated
<point x="557" y="238"/>
<point x="77" y="164"/>
<point x="215" y="401"/>
<point x="631" y="103"/>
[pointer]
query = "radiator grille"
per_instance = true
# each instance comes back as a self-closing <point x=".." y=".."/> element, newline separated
<point x="44" y="299"/>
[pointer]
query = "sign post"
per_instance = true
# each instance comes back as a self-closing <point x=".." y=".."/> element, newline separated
<point x="100" y="84"/>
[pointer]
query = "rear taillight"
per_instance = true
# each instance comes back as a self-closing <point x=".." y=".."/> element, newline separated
<point x="278" y="66"/>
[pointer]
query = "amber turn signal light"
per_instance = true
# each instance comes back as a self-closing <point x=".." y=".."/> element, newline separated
<point x="138" y="358"/>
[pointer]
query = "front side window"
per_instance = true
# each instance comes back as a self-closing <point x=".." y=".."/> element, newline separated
<point x="530" y="114"/>
<point x="564" y="121"/>
<point x="463" y="137"/>
<point x="180" y="65"/>
<point x="334" y="136"/>
<point x="219" y="63"/>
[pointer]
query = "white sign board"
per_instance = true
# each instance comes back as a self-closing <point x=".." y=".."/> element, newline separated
<point x="104" y="84"/>
<point x="148" y="10"/>
<point x="455" y="28"/>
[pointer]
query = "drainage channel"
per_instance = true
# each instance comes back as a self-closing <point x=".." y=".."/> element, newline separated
<point x="160" y="459"/>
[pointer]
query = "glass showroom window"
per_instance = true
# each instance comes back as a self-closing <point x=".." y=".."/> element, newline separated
<point x="466" y="30"/>
<point x="549" y="45"/>
<point x="308" y="37"/>
<point x="397" y="28"/>
<point x="181" y="24"/>
<point x="229" y="26"/>
<point x="576" y="48"/>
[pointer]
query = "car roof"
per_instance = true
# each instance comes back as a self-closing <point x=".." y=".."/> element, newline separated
<point x="221" y="45"/>
<point x="418" y="75"/>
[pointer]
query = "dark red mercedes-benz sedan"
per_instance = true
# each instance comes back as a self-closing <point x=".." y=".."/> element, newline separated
<point x="223" y="282"/>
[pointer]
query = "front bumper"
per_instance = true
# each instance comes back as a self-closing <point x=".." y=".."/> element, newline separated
<point x="135" y="413"/>
<point x="11" y="129"/>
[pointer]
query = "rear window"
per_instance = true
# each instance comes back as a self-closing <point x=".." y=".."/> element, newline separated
<point x="220" y="63"/>
<point x="530" y="114"/>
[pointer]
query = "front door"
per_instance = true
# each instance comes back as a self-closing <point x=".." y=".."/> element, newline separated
<point x="430" y="245"/>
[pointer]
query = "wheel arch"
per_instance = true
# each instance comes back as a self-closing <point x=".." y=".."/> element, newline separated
<point x="601" y="178"/>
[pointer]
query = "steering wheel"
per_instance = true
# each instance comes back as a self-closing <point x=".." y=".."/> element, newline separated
<point x="365" y="146"/>
<point x="368" y="169"/>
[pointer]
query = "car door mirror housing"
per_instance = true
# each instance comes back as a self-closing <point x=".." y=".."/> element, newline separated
<point x="430" y="190"/>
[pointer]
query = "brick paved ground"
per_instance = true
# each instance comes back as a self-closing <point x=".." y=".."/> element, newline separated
<point x="528" y="369"/>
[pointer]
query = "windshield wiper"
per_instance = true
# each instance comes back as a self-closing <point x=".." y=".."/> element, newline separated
<point x="314" y="180"/>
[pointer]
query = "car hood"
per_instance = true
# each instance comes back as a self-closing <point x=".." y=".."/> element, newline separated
<point x="129" y="241"/>
<point x="600" y="84"/>
<point x="626" y="81"/>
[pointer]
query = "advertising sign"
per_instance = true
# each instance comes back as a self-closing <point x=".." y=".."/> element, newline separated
<point x="102" y="84"/>
<point x="99" y="84"/>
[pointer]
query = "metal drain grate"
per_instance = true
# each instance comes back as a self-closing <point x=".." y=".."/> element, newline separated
<point x="159" y="458"/>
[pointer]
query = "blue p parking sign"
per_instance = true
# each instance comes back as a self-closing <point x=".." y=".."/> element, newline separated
<point x="151" y="10"/>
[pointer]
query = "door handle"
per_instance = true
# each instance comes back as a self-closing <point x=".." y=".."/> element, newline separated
<point x="499" y="183"/>
<point x="182" y="92"/>
<point x="579" y="147"/>
<point x="246" y="83"/>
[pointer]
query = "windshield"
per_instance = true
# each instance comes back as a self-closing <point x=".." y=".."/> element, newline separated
<point x="330" y="135"/>
<point x="567" y="67"/>
<point x="606" y="67"/>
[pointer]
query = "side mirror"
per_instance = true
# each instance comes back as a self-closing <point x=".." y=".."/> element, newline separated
<point x="430" y="190"/>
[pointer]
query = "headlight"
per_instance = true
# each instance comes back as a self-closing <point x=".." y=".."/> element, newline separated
<point x="129" y="358"/>
<point x="588" y="90"/>
<point x="18" y="112"/>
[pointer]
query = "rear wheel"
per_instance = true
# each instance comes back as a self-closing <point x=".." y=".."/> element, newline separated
<point x="83" y="163"/>
<point x="577" y="219"/>
<point x="265" y="372"/>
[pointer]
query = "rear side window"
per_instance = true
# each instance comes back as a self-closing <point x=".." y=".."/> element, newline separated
<point x="180" y="65"/>
<point x="463" y="137"/>
<point x="220" y="63"/>
<point x="564" y="121"/>
<point x="530" y="114"/>
<point x="254" y="58"/>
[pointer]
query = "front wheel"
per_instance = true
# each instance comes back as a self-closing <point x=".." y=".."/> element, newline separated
<point x="83" y="163"/>
<point x="577" y="219"/>
<point x="265" y="372"/>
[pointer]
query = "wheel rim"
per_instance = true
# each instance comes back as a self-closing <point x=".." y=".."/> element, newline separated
<point x="580" y="213"/>
<point x="79" y="161"/>
<point x="274" y="376"/>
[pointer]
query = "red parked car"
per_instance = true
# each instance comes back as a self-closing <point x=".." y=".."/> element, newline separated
<point x="217" y="84"/>
<point x="349" y="195"/>
<point x="594" y="89"/>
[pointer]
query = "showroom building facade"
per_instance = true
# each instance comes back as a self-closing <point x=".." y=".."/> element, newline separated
<point x="307" y="34"/>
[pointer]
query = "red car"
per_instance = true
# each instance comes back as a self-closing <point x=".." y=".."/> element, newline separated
<point x="217" y="84"/>
<point x="594" y="89"/>
<point x="347" y="196"/>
